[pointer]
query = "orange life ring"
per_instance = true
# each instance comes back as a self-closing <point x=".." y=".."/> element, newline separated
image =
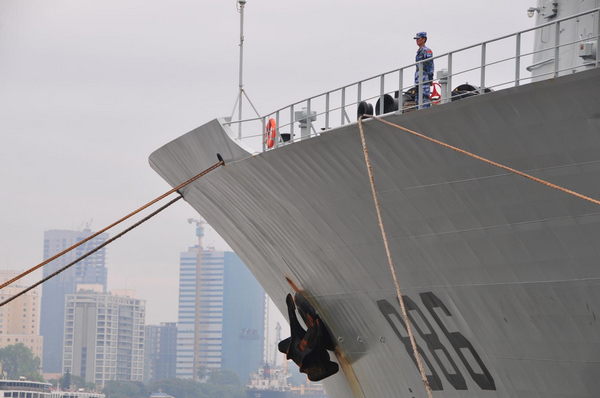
<point x="435" y="96"/>
<point x="270" y="133"/>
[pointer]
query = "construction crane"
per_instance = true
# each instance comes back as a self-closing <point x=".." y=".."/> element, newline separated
<point x="199" y="228"/>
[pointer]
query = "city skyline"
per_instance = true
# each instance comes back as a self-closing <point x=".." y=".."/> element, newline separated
<point x="94" y="270"/>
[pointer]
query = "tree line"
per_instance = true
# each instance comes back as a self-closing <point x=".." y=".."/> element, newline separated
<point x="220" y="384"/>
<point x="18" y="360"/>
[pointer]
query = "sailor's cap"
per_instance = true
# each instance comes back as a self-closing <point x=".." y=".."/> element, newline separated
<point x="420" y="35"/>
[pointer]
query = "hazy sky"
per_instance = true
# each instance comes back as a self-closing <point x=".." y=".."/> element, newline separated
<point x="88" y="89"/>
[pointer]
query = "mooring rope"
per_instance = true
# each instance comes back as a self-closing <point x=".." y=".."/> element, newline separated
<point x="389" y="256"/>
<point x="108" y="241"/>
<point x="161" y="197"/>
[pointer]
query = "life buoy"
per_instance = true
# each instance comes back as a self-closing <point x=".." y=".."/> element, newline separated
<point x="270" y="133"/>
<point x="435" y="96"/>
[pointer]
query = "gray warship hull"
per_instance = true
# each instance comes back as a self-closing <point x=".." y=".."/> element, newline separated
<point x="500" y="274"/>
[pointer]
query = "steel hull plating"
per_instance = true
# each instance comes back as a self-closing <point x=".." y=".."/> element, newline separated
<point x="500" y="273"/>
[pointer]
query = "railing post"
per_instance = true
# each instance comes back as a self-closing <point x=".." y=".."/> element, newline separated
<point x="518" y="61"/>
<point x="292" y="121"/>
<point x="556" y="47"/>
<point x="449" y="94"/>
<point x="308" y="117"/>
<point x="343" y="107"/>
<point x="327" y="111"/>
<point x="381" y="92"/>
<point x="482" y="84"/>
<point x="420" y="86"/>
<point x="278" y="135"/>
<point x="400" y="87"/>
<point x="264" y="132"/>
<point x="359" y="92"/>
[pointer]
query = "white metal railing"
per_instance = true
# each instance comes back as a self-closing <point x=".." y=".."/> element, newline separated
<point x="493" y="65"/>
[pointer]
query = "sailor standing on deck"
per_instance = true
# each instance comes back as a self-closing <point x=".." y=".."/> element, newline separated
<point x="426" y="75"/>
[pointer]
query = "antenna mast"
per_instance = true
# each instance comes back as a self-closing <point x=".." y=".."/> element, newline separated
<point x="238" y="101"/>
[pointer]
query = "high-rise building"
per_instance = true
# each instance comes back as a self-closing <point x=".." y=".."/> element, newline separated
<point x="104" y="335"/>
<point x="206" y="330"/>
<point x="160" y="351"/>
<point x="91" y="270"/>
<point x="221" y="314"/>
<point x="19" y="319"/>
<point x="243" y="318"/>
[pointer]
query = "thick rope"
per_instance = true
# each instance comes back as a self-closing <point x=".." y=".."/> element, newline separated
<point x="522" y="174"/>
<point x="161" y="197"/>
<point x="389" y="256"/>
<point x="90" y="252"/>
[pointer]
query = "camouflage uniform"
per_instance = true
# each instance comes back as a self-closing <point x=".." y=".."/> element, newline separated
<point x="427" y="70"/>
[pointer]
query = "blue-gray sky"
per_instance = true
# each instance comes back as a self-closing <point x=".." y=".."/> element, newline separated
<point x="88" y="89"/>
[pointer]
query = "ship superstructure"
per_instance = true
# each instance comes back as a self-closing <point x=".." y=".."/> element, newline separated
<point x="272" y="382"/>
<point x="268" y="381"/>
<point x="499" y="274"/>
